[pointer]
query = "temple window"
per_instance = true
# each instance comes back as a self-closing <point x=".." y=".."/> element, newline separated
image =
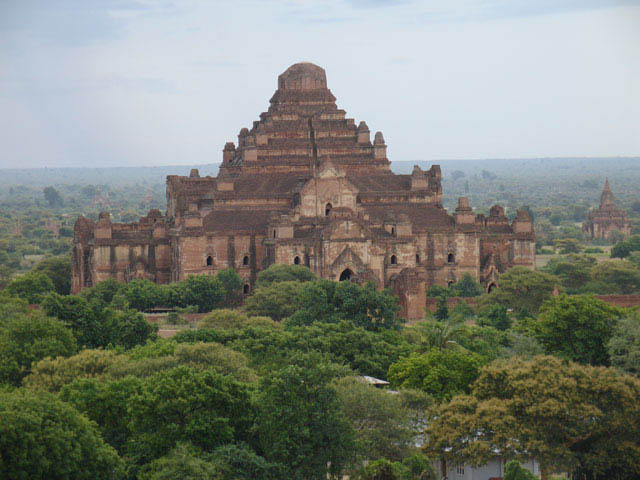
<point x="209" y="261"/>
<point x="393" y="230"/>
<point x="327" y="209"/>
<point x="245" y="260"/>
<point x="245" y="289"/>
<point x="417" y="259"/>
<point x="296" y="261"/>
<point x="451" y="258"/>
<point x="393" y="260"/>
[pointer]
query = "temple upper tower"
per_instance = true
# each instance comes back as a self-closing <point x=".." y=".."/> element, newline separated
<point x="303" y="128"/>
<point x="606" y="199"/>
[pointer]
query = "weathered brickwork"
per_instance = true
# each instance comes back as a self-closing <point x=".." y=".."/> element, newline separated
<point x="306" y="185"/>
<point x="606" y="219"/>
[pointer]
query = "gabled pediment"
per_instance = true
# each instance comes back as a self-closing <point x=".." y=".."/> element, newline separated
<point x="348" y="257"/>
<point x="328" y="170"/>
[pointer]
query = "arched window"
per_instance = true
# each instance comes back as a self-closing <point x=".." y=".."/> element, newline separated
<point x="450" y="283"/>
<point x="491" y="287"/>
<point x="393" y="230"/>
<point x="245" y="260"/>
<point x="346" y="275"/>
<point x="417" y="259"/>
<point x="209" y="261"/>
<point x="245" y="289"/>
<point x="327" y="209"/>
<point x="296" y="261"/>
<point x="274" y="234"/>
<point x="393" y="260"/>
<point x="451" y="258"/>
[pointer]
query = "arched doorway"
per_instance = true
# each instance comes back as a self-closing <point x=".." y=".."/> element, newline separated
<point x="209" y="261"/>
<point x="296" y="261"/>
<point x="327" y="209"/>
<point x="346" y="275"/>
<point x="245" y="289"/>
<point x="491" y="287"/>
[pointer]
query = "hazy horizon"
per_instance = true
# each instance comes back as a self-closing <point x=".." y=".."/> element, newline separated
<point x="158" y="83"/>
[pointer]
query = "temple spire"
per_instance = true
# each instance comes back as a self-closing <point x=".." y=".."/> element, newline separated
<point x="606" y="199"/>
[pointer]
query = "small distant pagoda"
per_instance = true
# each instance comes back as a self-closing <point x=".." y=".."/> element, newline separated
<point x="606" y="219"/>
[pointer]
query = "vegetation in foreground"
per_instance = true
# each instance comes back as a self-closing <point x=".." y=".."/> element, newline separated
<point x="275" y="389"/>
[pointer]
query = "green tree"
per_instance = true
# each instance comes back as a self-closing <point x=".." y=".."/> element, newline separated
<point x="625" y="247"/>
<point x="106" y="403"/>
<point x="86" y="321"/>
<point x="204" y="291"/>
<point x="514" y="471"/>
<point x="635" y="258"/>
<point x="42" y="437"/>
<point x="11" y="307"/>
<point x="466" y="287"/>
<point x="521" y="344"/>
<point x="441" y="373"/>
<point x="522" y="289"/>
<point x="224" y="319"/>
<point x="269" y="348"/>
<point x="574" y="271"/>
<point x="438" y="335"/>
<point x="32" y="286"/>
<point x="435" y="291"/>
<point x="58" y="269"/>
<point x="419" y="467"/>
<point x="555" y="411"/>
<point x="180" y="463"/>
<point x="144" y="294"/>
<point x="624" y="344"/>
<point x="128" y="328"/>
<point x="239" y="462"/>
<point x="329" y="301"/>
<point x="54" y="373"/>
<point x="442" y="309"/>
<point x="97" y="325"/>
<point x="232" y="285"/>
<point x="495" y="316"/>
<point x="380" y="420"/>
<point x="615" y="276"/>
<point x="284" y="273"/>
<point x="104" y="291"/>
<point x="577" y="328"/>
<point x="300" y="424"/>
<point x="186" y="405"/>
<point x="53" y="197"/>
<point x="382" y="470"/>
<point x="567" y="245"/>
<point x="25" y="339"/>
<point x="275" y="300"/>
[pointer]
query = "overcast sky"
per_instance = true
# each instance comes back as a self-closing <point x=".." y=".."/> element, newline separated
<point x="120" y="82"/>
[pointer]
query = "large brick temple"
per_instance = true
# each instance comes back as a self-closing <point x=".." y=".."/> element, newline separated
<point x="603" y="221"/>
<point x="306" y="185"/>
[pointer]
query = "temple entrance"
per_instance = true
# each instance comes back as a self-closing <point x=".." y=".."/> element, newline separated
<point x="491" y="287"/>
<point x="346" y="275"/>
